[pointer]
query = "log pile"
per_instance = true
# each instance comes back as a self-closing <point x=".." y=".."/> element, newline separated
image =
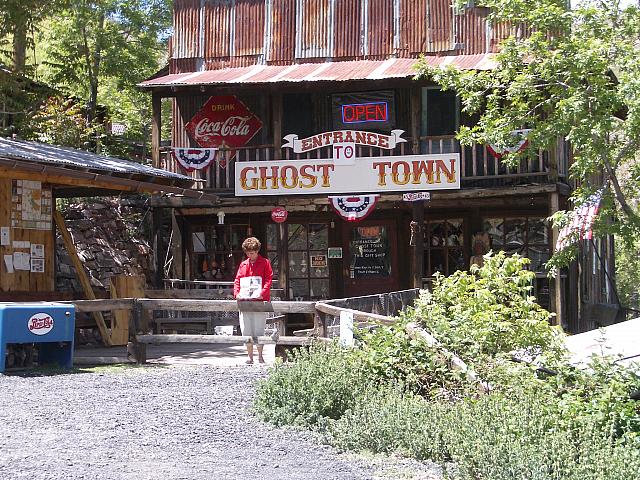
<point x="109" y="236"/>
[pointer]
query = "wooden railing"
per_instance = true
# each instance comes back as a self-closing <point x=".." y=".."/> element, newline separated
<point x="324" y="328"/>
<point x="325" y="316"/>
<point x="477" y="163"/>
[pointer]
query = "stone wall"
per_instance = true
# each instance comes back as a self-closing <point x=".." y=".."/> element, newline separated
<point x="111" y="239"/>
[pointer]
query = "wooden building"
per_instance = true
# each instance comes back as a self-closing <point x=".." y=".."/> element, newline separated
<point x="302" y="100"/>
<point x="32" y="176"/>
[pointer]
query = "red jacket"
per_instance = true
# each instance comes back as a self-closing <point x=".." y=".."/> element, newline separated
<point x="261" y="268"/>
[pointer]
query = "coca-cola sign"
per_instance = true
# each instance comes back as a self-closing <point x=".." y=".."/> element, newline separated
<point x="40" y="324"/>
<point x="279" y="215"/>
<point x="223" y="121"/>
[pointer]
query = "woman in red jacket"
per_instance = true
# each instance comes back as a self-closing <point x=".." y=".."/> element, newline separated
<point x="253" y="282"/>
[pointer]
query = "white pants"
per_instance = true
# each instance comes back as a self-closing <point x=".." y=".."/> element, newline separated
<point x="252" y="324"/>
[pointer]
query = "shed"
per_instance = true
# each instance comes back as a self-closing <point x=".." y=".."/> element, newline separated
<point x="32" y="176"/>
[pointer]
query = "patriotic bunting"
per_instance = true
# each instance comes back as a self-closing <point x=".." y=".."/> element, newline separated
<point x="580" y="226"/>
<point x="354" y="209"/>
<point x="194" y="158"/>
<point x="520" y="143"/>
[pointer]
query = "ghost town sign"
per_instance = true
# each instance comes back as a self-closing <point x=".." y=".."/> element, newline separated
<point x="363" y="175"/>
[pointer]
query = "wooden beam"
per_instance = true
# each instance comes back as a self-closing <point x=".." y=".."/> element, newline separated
<point x="82" y="275"/>
<point x="68" y="176"/>
<point x="224" y="339"/>
<point x="220" y="305"/>
<point x="357" y="315"/>
<point x="103" y="305"/>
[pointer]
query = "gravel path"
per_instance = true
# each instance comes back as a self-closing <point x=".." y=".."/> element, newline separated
<point x="164" y="423"/>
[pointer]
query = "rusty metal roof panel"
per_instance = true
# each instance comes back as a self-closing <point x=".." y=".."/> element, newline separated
<point x="327" y="71"/>
<point x="186" y="27"/>
<point x="346" y="36"/>
<point x="379" y="27"/>
<point x="45" y="153"/>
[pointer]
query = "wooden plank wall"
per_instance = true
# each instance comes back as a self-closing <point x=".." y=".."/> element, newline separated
<point x="24" y="281"/>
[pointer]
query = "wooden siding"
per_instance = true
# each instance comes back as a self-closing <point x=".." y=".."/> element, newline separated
<point x="215" y="34"/>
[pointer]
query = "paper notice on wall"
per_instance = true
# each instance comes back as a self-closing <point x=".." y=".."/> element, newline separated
<point x="37" y="250"/>
<point x="8" y="263"/>
<point x="37" y="265"/>
<point x="22" y="261"/>
<point x="5" y="236"/>
<point x="21" y="244"/>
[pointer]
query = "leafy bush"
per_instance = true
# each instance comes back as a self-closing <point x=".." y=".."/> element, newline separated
<point x="322" y="382"/>
<point x="392" y="356"/>
<point x="487" y="311"/>
<point x="394" y="394"/>
<point x="390" y="421"/>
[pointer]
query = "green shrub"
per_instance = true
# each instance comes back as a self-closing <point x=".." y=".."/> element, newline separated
<point x="395" y="394"/>
<point x="391" y="421"/>
<point x="487" y="311"/>
<point x="392" y="356"/>
<point x="322" y="382"/>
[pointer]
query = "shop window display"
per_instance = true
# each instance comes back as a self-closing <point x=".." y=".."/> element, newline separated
<point x="308" y="263"/>
<point x="444" y="247"/>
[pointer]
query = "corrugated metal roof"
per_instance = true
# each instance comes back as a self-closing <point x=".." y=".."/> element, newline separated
<point x="68" y="157"/>
<point x="327" y="71"/>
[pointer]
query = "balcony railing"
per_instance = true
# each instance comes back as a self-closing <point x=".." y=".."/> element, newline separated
<point x="479" y="166"/>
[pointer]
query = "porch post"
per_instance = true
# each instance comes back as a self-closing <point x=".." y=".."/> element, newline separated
<point x="158" y="246"/>
<point x="276" y="115"/>
<point x="156" y="119"/>
<point x="554" y="206"/>
<point x="418" y="207"/>
<point x="418" y="248"/>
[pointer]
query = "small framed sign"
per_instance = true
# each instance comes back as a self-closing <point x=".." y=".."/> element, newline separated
<point x="334" y="252"/>
<point x="416" y="196"/>
<point x="318" y="261"/>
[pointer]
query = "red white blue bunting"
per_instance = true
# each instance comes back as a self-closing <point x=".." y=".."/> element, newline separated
<point x="194" y="158"/>
<point x="520" y="142"/>
<point x="354" y="209"/>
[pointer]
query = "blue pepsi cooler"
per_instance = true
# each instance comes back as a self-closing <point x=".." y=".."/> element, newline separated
<point x="46" y="327"/>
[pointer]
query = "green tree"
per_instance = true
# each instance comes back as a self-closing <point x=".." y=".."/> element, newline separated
<point x="576" y="76"/>
<point x="98" y="50"/>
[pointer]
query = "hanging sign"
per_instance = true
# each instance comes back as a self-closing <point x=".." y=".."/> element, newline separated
<point x="520" y="143"/>
<point x="223" y="121"/>
<point x="354" y="209"/>
<point x="353" y="137"/>
<point x="334" y="252"/>
<point x="194" y="158"/>
<point x="279" y="215"/>
<point x="369" y="175"/>
<point x="416" y="196"/>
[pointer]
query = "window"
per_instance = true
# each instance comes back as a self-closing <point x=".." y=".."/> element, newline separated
<point x="308" y="262"/>
<point x="527" y="236"/>
<point x="444" y="247"/>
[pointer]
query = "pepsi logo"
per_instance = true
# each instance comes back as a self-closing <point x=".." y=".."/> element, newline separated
<point x="40" y="324"/>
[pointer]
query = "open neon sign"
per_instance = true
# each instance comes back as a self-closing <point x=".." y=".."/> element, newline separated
<point x="365" y="112"/>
